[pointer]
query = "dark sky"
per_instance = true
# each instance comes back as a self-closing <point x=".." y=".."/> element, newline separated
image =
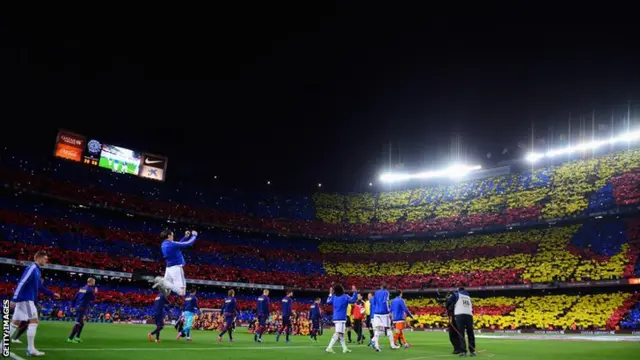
<point x="306" y="92"/>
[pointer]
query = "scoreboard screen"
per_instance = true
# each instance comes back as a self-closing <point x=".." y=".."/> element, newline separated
<point x="75" y="147"/>
<point x="119" y="159"/>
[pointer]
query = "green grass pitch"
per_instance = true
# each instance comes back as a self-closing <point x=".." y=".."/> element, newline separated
<point x="104" y="162"/>
<point x="120" y="341"/>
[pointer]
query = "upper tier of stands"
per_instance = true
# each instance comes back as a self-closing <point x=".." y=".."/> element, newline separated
<point x="572" y="188"/>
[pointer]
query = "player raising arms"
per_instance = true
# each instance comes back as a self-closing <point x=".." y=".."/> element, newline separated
<point x="172" y="253"/>
<point x="229" y="312"/>
<point x="81" y="302"/>
<point x="381" y="319"/>
<point x="287" y="304"/>
<point x="315" y="315"/>
<point x="188" y="312"/>
<point x="264" y="309"/>
<point x="340" y="302"/>
<point x="24" y="298"/>
<point x="398" y="312"/>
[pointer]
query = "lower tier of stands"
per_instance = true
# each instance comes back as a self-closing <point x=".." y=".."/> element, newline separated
<point x="589" y="311"/>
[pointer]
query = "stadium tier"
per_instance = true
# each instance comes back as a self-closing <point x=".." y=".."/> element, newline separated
<point x="119" y="232"/>
<point x="590" y="311"/>
<point x="569" y="189"/>
<point x="75" y="236"/>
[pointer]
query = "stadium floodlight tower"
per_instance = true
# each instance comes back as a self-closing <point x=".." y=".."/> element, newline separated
<point x="628" y="137"/>
<point x="456" y="171"/>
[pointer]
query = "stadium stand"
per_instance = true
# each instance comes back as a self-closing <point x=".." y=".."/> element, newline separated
<point x="570" y="189"/>
<point x="80" y="237"/>
<point x="103" y="228"/>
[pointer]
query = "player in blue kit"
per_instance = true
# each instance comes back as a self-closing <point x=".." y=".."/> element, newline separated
<point x="24" y="298"/>
<point x="381" y="317"/>
<point x="229" y="310"/>
<point x="287" y="304"/>
<point x="81" y="303"/>
<point x="264" y="309"/>
<point x="399" y="311"/>
<point x="159" y="305"/>
<point x="340" y="302"/>
<point x="172" y="253"/>
<point x="188" y="312"/>
<point x="315" y="315"/>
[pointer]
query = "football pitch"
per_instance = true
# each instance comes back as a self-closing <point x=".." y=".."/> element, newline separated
<point x="121" y="341"/>
<point x="108" y="164"/>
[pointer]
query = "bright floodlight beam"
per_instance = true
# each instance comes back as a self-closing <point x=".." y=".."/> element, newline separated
<point x="533" y="157"/>
<point x="456" y="171"/>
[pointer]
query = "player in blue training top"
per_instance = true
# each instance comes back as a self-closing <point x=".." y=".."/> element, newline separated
<point x="381" y="317"/>
<point x="159" y="305"/>
<point x="24" y="298"/>
<point x="315" y="315"/>
<point x="172" y="253"/>
<point x="340" y="302"/>
<point x="287" y="304"/>
<point x="399" y="312"/>
<point x="188" y="312"/>
<point x="229" y="310"/>
<point x="264" y="309"/>
<point x="81" y="303"/>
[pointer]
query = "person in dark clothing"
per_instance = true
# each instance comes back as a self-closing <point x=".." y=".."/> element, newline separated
<point x="463" y="315"/>
<point x="454" y="334"/>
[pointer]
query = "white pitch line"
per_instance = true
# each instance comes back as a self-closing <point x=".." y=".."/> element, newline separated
<point x="185" y="348"/>
<point x="160" y="348"/>
<point x="15" y="357"/>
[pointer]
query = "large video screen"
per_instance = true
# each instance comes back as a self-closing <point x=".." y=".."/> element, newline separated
<point x="120" y="159"/>
<point x="91" y="151"/>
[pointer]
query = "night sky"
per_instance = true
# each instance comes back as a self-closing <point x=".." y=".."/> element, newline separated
<point x="308" y="92"/>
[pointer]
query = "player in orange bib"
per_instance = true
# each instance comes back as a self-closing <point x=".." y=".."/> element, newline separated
<point x="399" y="312"/>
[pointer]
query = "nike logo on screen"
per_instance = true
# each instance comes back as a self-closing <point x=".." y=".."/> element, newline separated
<point x="147" y="161"/>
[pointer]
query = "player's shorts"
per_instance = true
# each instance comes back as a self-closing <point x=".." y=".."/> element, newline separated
<point x="348" y="324"/>
<point x="367" y="322"/>
<point x="80" y="314"/>
<point x="399" y="325"/>
<point x="229" y="320"/>
<point x="159" y="319"/>
<point x="175" y="275"/>
<point x="262" y="320"/>
<point x="381" y="321"/>
<point x="340" y="326"/>
<point x="25" y="311"/>
<point x="286" y="321"/>
<point x="188" y="319"/>
<point x="315" y="324"/>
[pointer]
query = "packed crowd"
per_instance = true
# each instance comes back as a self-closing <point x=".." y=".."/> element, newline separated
<point x="569" y="189"/>
<point x="127" y="302"/>
<point x="549" y="312"/>
<point x="631" y="320"/>
<point x="132" y="301"/>
<point x="300" y="323"/>
<point x="597" y="250"/>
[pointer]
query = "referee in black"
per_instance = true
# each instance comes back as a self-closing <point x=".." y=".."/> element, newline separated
<point x="463" y="315"/>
